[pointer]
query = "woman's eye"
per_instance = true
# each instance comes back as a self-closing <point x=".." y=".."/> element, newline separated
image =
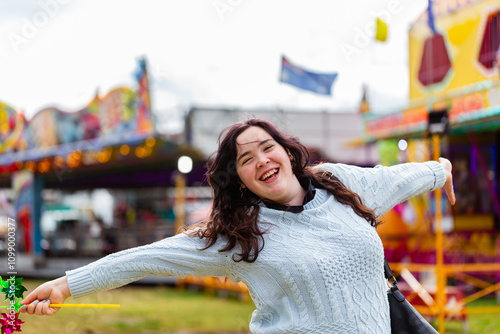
<point x="268" y="147"/>
<point x="246" y="160"/>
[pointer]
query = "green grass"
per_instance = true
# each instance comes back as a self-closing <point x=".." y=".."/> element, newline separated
<point x="157" y="309"/>
<point x="478" y="323"/>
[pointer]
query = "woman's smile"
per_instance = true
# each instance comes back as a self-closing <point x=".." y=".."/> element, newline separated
<point x="270" y="175"/>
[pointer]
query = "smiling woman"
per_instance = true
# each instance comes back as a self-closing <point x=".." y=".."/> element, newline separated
<point x="265" y="168"/>
<point x="273" y="167"/>
<point x="293" y="233"/>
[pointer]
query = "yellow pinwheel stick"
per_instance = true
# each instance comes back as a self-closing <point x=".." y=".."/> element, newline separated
<point x="87" y="305"/>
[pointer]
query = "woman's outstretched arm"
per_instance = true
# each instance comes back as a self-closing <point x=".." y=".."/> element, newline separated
<point x="381" y="188"/>
<point x="180" y="256"/>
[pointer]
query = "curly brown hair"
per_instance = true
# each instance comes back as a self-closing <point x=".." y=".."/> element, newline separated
<point x="235" y="217"/>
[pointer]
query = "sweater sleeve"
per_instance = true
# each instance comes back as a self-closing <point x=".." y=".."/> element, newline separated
<point x="381" y="188"/>
<point x="179" y="256"/>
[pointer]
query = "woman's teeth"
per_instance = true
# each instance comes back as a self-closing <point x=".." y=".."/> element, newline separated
<point x="268" y="174"/>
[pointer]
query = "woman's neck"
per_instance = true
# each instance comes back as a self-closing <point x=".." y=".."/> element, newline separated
<point x="297" y="194"/>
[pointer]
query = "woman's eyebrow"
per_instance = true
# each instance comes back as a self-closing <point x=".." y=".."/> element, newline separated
<point x="263" y="142"/>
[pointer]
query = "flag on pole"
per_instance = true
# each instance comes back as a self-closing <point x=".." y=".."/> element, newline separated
<point x="430" y="16"/>
<point x="381" y="34"/>
<point x="320" y="83"/>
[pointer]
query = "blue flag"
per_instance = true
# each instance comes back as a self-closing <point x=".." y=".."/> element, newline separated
<point x="430" y="16"/>
<point x="320" y="83"/>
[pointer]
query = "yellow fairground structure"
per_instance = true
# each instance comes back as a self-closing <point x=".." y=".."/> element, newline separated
<point x="454" y="111"/>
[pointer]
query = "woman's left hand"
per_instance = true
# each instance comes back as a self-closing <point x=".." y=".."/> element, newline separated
<point x="448" y="185"/>
<point x="39" y="300"/>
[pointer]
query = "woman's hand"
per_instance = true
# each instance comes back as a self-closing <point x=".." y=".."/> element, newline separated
<point x="38" y="301"/>
<point x="448" y="185"/>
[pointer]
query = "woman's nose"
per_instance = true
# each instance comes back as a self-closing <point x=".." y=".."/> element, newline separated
<point x="262" y="161"/>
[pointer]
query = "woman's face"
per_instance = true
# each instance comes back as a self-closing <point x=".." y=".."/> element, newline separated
<point x="264" y="167"/>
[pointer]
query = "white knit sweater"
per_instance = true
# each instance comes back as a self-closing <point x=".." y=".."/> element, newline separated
<point x="321" y="270"/>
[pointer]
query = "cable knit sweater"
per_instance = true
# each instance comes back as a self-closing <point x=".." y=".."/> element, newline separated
<point x="320" y="271"/>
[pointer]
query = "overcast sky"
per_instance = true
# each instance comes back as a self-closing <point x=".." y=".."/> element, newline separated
<point x="218" y="53"/>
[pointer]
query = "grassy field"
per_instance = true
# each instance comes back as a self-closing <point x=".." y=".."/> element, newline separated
<point x="478" y="323"/>
<point x="146" y="309"/>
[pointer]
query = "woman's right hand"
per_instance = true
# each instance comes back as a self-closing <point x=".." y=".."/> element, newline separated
<point x="38" y="301"/>
<point x="448" y="185"/>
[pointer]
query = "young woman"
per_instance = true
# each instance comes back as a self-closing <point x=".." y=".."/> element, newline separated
<point x="301" y="238"/>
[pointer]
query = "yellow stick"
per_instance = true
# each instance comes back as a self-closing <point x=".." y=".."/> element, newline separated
<point x="87" y="305"/>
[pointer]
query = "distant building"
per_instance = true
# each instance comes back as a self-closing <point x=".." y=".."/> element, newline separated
<point x="332" y="136"/>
